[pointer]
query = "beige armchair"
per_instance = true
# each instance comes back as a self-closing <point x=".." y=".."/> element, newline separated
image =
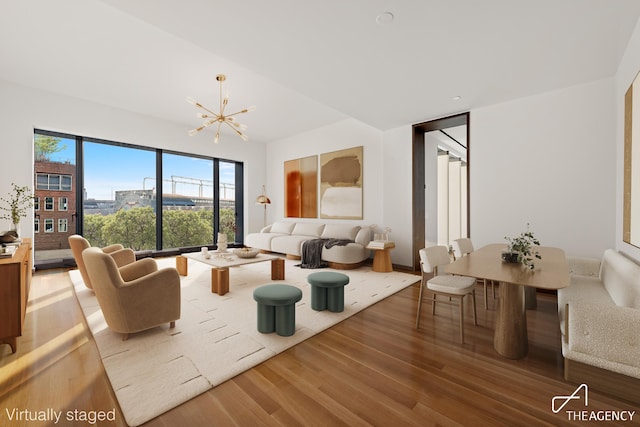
<point x="78" y="244"/>
<point x="135" y="297"/>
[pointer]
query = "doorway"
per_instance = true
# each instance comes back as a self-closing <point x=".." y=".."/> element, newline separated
<point x="423" y="136"/>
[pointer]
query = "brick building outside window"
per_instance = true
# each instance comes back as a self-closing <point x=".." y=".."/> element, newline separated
<point x="54" y="208"/>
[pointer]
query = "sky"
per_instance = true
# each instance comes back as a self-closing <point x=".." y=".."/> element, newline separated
<point x="110" y="168"/>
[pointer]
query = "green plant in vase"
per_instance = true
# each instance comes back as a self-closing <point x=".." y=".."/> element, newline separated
<point x="19" y="200"/>
<point x="521" y="249"/>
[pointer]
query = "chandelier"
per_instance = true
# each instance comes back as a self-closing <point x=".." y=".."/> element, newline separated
<point x="211" y="118"/>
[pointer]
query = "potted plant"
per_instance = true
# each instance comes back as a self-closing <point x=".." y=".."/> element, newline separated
<point x="16" y="206"/>
<point x="521" y="249"/>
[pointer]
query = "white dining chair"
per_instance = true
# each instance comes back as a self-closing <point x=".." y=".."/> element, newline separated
<point x="462" y="247"/>
<point x="453" y="287"/>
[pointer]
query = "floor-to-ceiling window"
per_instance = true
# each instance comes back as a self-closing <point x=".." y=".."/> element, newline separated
<point x="228" y="207"/>
<point x="144" y="198"/>
<point x="119" y="197"/>
<point x="55" y="194"/>
<point x="187" y="201"/>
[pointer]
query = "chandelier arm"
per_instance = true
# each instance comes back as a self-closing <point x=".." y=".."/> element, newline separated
<point x="209" y="111"/>
<point x="231" y="126"/>
<point x="237" y="131"/>
<point x="236" y="113"/>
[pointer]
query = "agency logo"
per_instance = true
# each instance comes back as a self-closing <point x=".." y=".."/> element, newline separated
<point x="559" y="402"/>
<point x="580" y="399"/>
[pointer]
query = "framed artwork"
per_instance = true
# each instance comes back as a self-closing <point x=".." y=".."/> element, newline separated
<point x="631" y="178"/>
<point x="341" y="184"/>
<point x="301" y="188"/>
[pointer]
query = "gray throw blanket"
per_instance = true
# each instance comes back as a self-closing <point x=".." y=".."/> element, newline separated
<point x="312" y="251"/>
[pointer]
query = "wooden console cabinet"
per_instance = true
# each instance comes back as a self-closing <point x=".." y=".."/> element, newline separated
<point x="15" y="279"/>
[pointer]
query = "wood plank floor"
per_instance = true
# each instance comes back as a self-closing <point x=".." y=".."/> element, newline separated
<point x="374" y="368"/>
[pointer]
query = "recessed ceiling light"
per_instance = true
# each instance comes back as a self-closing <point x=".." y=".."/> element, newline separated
<point x="457" y="98"/>
<point x="384" y="18"/>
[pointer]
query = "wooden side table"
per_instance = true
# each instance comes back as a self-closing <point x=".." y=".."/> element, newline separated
<point x="382" y="256"/>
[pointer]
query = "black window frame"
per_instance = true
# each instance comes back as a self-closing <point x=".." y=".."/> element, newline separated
<point x="158" y="251"/>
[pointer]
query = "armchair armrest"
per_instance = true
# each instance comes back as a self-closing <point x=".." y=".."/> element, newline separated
<point x="151" y="299"/>
<point x="123" y="256"/>
<point x="112" y="248"/>
<point x="160" y="285"/>
<point x="138" y="269"/>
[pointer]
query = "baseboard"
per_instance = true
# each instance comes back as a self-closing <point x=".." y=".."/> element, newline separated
<point x="604" y="381"/>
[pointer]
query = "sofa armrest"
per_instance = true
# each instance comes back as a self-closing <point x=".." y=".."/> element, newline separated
<point x="364" y="236"/>
<point x="606" y="332"/>
<point x="584" y="266"/>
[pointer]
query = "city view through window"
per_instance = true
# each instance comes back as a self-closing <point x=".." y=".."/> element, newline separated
<point x="120" y="197"/>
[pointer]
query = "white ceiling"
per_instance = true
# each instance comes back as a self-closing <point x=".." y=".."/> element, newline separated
<point x="305" y="64"/>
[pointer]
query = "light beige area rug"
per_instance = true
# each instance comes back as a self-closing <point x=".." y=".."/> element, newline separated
<point x="216" y="337"/>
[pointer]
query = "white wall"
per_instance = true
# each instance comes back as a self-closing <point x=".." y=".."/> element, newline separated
<point x="344" y="134"/>
<point x="398" y="192"/>
<point x="22" y="109"/>
<point x="549" y="160"/>
<point x="627" y="71"/>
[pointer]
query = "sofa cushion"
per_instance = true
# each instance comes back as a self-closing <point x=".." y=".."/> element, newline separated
<point x="621" y="278"/>
<point x="289" y="245"/>
<point x="282" y="227"/>
<point x="308" y="229"/>
<point x="340" y="231"/>
<point x="611" y="344"/>
<point x="260" y="240"/>
<point x="580" y="266"/>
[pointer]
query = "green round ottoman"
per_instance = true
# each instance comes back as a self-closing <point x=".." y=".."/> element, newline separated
<point x="327" y="290"/>
<point x="277" y="308"/>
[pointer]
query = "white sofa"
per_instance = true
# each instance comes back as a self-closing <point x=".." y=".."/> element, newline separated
<point x="600" y="323"/>
<point x="287" y="237"/>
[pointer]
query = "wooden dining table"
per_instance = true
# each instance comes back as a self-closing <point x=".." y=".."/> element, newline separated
<point x="551" y="272"/>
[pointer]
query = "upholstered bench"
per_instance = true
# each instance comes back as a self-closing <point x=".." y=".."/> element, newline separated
<point x="276" y="308"/>
<point x="327" y="290"/>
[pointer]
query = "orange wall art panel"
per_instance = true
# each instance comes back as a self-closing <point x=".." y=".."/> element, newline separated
<point x="301" y="187"/>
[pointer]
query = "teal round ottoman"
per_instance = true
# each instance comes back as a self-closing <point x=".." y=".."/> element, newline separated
<point x="277" y="308"/>
<point x="327" y="290"/>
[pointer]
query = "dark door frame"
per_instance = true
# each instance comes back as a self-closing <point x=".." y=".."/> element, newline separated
<point x="419" y="184"/>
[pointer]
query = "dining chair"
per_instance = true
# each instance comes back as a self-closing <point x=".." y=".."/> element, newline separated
<point x="462" y="247"/>
<point x="454" y="287"/>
